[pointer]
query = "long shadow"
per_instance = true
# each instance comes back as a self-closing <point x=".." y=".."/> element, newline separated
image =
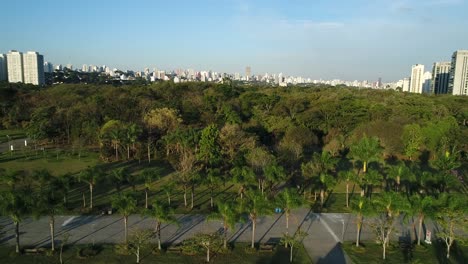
<point x="235" y="236"/>
<point x="274" y="223"/>
<point x="197" y="219"/>
<point x="335" y="256"/>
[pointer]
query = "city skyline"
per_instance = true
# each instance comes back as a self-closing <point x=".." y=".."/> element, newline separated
<point x="316" y="40"/>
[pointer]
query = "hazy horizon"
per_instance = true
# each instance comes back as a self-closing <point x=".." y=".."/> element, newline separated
<point x="361" y="40"/>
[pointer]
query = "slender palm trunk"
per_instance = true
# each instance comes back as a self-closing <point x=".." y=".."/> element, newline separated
<point x="138" y="254"/>
<point x="364" y="166"/>
<point x="128" y="151"/>
<point x="208" y="254"/>
<point x="253" y="232"/>
<point x="116" y="152"/>
<point x="322" y="196"/>
<point x="84" y="200"/>
<point x="291" y="254"/>
<point x="52" y="232"/>
<point x="158" y="231"/>
<point x="146" y="198"/>
<point x="384" y="245"/>
<point x="125" y="226"/>
<point x="169" y="198"/>
<point x="17" y="234"/>
<point x="287" y="220"/>
<point x="192" y="194"/>
<point x="149" y="153"/>
<point x="359" y="224"/>
<point x="225" y="235"/>
<point x="91" y="196"/>
<point x="185" y="197"/>
<point x="421" y="219"/>
<point x="211" y="201"/>
<point x="347" y="194"/>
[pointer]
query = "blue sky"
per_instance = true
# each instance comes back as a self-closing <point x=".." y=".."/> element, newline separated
<point x="347" y="39"/>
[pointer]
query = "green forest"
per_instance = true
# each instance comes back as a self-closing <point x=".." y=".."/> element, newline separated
<point x="379" y="153"/>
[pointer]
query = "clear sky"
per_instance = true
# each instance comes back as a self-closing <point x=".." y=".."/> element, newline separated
<point x="347" y="39"/>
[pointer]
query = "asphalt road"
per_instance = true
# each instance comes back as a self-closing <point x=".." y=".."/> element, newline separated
<point x="325" y="231"/>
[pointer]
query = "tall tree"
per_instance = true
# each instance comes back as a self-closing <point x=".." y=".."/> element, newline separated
<point x="256" y="206"/>
<point x="227" y="212"/>
<point x="149" y="176"/>
<point x="347" y="176"/>
<point x="421" y="207"/>
<point x="212" y="181"/>
<point x="361" y="207"/>
<point x="132" y="133"/>
<point x="289" y="199"/>
<point x="48" y="203"/>
<point x="15" y="204"/>
<point x="292" y="241"/>
<point x="125" y="204"/>
<point x="139" y="239"/>
<point x="91" y="176"/>
<point x="161" y="213"/>
<point x="366" y="150"/>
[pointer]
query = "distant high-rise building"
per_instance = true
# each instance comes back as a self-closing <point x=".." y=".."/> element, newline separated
<point x="440" y="77"/>
<point x="85" y="68"/>
<point x="427" y="79"/>
<point x="48" y="67"/>
<point x="248" y="72"/>
<point x="406" y="85"/>
<point x="15" y="66"/>
<point x="458" y="82"/>
<point x="379" y="82"/>
<point x="33" y="65"/>
<point x="3" y="68"/>
<point x="417" y="79"/>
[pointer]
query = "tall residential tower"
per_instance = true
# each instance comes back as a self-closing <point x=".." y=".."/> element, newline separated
<point x="458" y="82"/>
<point x="15" y="66"/>
<point x="33" y="64"/>
<point x="3" y="68"/>
<point x="440" y="77"/>
<point x="417" y="79"/>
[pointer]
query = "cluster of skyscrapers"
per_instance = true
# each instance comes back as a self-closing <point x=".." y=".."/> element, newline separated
<point x="22" y="67"/>
<point x="450" y="77"/>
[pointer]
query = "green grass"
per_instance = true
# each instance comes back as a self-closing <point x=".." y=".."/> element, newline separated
<point x="107" y="255"/>
<point x="13" y="133"/>
<point x="427" y="254"/>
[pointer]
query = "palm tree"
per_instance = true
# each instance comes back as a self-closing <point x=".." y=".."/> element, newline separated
<point x="289" y="199"/>
<point x="47" y="203"/>
<point x="63" y="185"/>
<point x="149" y="176"/>
<point x="131" y="135"/>
<point x="125" y="204"/>
<point x="168" y="189"/>
<point x="161" y="214"/>
<point x="90" y="176"/>
<point x="228" y="214"/>
<point x="371" y="179"/>
<point x="15" y="204"/>
<point x="421" y="207"/>
<point x="361" y="208"/>
<point x="347" y="176"/>
<point x="326" y="182"/>
<point x="212" y="181"/>
<point x="116" y="136"/>
<point x="42" y="178"/>
<point x="256" y="207"/>
<point x="321" y="163"/>
<point x="244" y="177"/>
<point x="292" y="241"/>
<point x="118" y="177"/>
<point x="396" y="173"/>
<point x="366" y="151"/>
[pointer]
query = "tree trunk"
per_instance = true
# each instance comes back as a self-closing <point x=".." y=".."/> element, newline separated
<point x="315" y="196"/>
<point x="347" y="194"/>
<point x="253" y="233"/>
<point x="146" y="198"/>
<point x="17" y="234"/>
<point x="169" y="198"/>
<point x="291" y="254"/>
<point x="158" y="230"/>
<point x="149" y="153"/>
<point x="211" y="201"/>
<point x="384" y="244"/>
<point x="52" y="232"/>
<point x="287" y="220"/>
<point x="91" y="196"/>
<point x="185" y="197"/>
<point x="364" y="166"/>
<point x="358" y="232"/>
<point x="125" y="226"/>
<point x="138" y="254"/>
<point x="208" y="254"/>
<point x="421" y="219"/>
<point x="225" y="236"/>
<point x="192" y="194"/>
<point x="128" y="151"/>
<point x="116" y="153"/>
<point x="84" y="200"/>
<point x="322" y="194"/>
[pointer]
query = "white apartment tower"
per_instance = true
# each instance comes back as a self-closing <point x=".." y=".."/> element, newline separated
<point x="440" y="77"/>
<point x="417" y="79"/>
<point x="3" y="68"/>
<point x="458" y="82"/>
<point x="15" y="66"/>
<point x="33" y="65"/>
<point x="406" y="85"/>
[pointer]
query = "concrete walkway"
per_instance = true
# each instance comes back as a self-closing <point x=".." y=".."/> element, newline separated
<point x="325" y="231"/>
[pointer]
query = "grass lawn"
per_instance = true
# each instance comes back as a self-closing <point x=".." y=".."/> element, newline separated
<point x="13" y="133"/>
<point x="106" y="254"/>
<point x="427" y="254"/>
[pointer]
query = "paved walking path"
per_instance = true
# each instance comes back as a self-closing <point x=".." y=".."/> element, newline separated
<point x="325" y="231"/>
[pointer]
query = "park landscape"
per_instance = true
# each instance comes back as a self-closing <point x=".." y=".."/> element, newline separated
<point x="237" y="157"/>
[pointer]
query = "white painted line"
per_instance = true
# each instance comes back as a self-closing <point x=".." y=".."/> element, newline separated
<point x="329" y="229"/>
<point x="66" y="222"/>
